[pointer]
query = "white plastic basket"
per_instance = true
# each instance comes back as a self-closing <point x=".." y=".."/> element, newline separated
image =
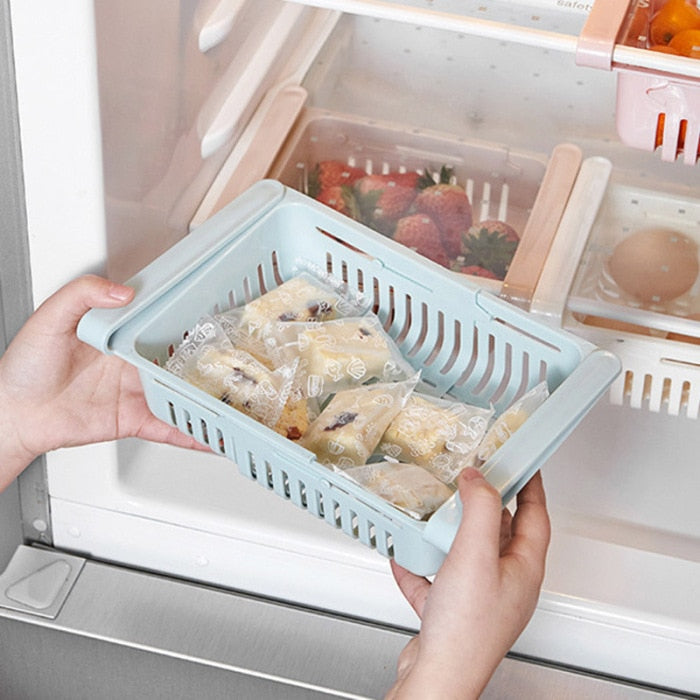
<point x="659" y="374"/>
<point x="466" y="341"/>
<point x="656" y="342"/>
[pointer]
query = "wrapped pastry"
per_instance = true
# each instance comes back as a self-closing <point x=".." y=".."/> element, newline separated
<point x="339" y="354"/>
<point x="441" y="435"/>
<point x="511" y="419"/>
<point x="304" y="298"/>
<point x="301" y="298"/>
<point x="349" y="428"/>
<point x="208" y="360"/>
<point x="409" y="487"/>
<point x="296" y="416"/>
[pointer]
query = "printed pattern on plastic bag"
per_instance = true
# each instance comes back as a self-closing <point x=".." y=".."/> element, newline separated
<point x="339" y="354"/>
<point x="441" y="435"/>
<point x="349" y="428"/>
<point x="408" y="487"/>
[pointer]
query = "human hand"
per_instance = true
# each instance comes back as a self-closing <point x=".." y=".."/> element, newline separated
<point x="482" y="597"/>
<point x="56" y="391"/>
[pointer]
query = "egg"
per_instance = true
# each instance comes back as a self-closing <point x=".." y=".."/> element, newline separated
<point x="655" y="265"/>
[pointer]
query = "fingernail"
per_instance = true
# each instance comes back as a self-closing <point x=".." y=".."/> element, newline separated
<point x="470" y="473"/>
<point x="120" y="292"/>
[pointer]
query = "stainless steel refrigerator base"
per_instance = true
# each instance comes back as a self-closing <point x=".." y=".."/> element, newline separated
<point x="181" y="640"/>
<point x="38" y="581"/>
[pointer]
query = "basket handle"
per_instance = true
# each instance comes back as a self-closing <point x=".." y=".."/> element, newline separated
<point x="99" y="325"/>
<point x="514" y="463"/>
<point x="551" y="295"/>
<point x="596" y="42"/>
<point x="541" y="228"/>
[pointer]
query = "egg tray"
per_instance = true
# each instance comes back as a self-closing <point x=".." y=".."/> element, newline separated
<point x="466" y="342"/>
<point x="657" y="343"/>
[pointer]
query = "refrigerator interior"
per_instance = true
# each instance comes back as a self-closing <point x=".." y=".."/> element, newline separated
<point x="157" y="112"/>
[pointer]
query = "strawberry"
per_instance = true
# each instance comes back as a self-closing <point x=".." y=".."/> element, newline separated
<point x="448" y="205"/>
<point x="340" y="198"/>
<point x="501" y="227"/>
<point x="383" y="201"/>
<point x="331" y="173"/>
<point x="491" y="245"/>
<point x="407" y="179"/>
<point x="420" y="233"/>
<point x="477" y="271"/>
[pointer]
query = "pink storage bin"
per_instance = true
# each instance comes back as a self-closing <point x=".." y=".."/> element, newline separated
<point x="658" y="95"/>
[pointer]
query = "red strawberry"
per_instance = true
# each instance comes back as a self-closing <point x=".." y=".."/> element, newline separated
<point x="500" y="227"/>
<point x="490" y="244"/>
<point x="477" y="271"/>
<point x="340" y="198"/>
<point x="407" y="179"/>
<point x="383" y="201"/>
<point x="449" y="207"/>
<point x="419" y="232"/>
<point x="331" y="173"/>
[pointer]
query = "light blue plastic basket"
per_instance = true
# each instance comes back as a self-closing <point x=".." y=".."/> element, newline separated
<point x="466" y="342"/>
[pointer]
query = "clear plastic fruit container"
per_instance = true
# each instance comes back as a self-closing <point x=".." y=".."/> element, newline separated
<point x="527" y="190"/>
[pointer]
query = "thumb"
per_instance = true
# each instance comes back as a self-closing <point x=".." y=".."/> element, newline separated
<point x="69" y="304"/>
<point x="477" y="540"/>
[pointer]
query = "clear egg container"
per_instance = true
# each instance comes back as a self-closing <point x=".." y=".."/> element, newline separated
<point x="624" y="211"/>
<point x="657" y="342"/>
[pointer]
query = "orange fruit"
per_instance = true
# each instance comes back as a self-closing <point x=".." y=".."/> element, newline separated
<point x="682" y="128"/>
<point x="661" y="121"/>
<point x="686" y="43"/>
<point x="637" y="25"/>
<point x="672" y="18"/>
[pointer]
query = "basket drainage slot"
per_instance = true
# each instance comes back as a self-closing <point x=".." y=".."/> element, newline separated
<point x="372" y="535"/>
<point x="204" y="429"/>
<point x="252" y="467"/>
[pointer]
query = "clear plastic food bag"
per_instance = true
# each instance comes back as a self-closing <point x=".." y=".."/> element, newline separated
<point x="308" y="297"/>
<point x="349" y="428"/>
<point x="208" y="360"/>
<point x="439" y="434"/>
<point x="408" y="487"/>
<point x="339" y="354"/>
<point x="511" y="419"/>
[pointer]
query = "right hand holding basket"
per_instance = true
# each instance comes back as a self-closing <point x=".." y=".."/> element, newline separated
<point x="481" y="598"/>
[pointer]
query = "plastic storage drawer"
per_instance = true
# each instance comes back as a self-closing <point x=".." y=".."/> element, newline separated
<point x="466" y="342"/>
